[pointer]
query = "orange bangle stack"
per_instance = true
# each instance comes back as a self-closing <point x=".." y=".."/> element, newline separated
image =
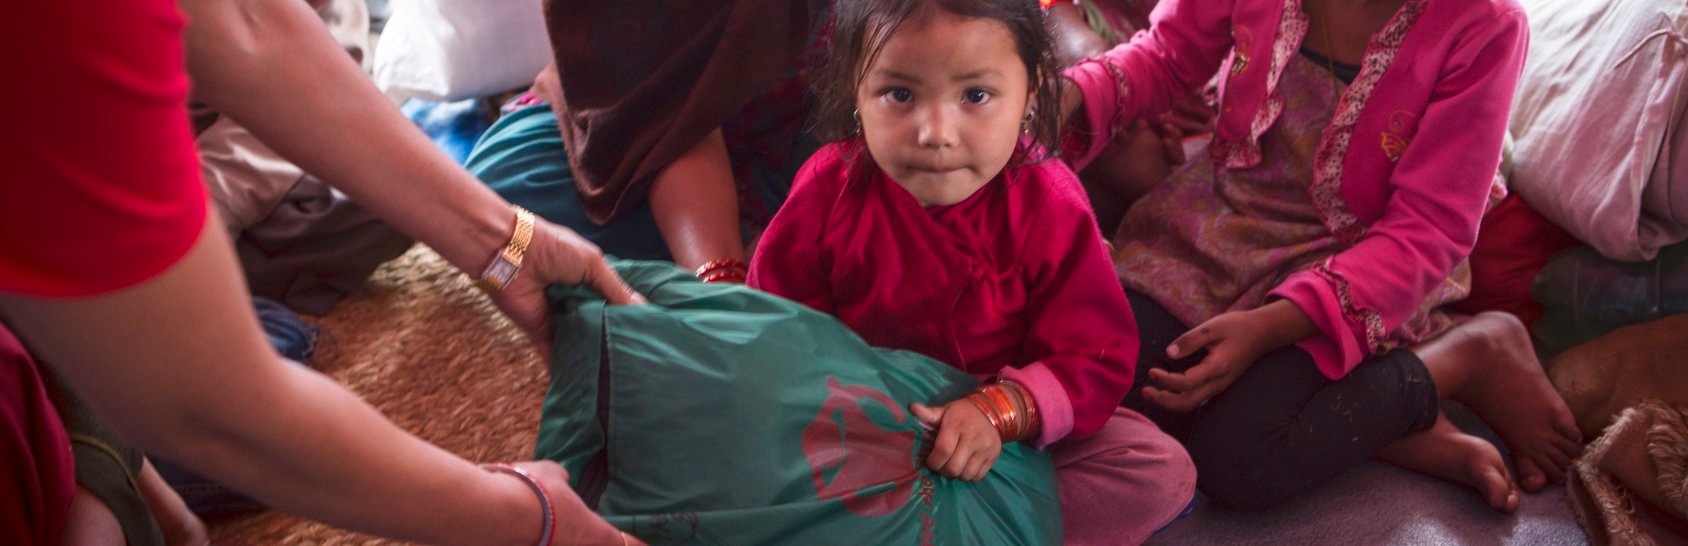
<point x="1009" y="408"/>
<point x="723" y="270"/>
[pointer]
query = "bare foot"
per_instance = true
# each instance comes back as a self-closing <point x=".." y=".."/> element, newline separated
<point x="1489" y="365"/>
<point x="1445" y="452"/>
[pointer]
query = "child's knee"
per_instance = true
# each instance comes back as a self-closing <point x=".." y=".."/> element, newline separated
<point x="1180" y="470"/>
<point x="1237" y="477"/>
<point x="1499" y="332"/>
<point x="1160" y="464"/>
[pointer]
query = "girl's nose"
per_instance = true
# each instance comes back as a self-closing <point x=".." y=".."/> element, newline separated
<point x="937" y="128"/>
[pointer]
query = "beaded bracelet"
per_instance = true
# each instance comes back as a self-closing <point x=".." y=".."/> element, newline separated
<point x="550" y="513"/>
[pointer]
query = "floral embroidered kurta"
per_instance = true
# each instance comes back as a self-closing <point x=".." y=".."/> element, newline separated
<point x="1208" y="240"/>
<point x="1400" y="177"/>
<point x="1012" y="282"/>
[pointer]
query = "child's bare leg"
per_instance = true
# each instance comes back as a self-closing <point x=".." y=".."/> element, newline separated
<point x="1446" y="452"/>
<point x="90" y="522"/>
<point x="1488" y="364"/>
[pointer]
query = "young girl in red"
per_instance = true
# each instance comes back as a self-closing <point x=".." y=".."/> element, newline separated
<point x="940" y="223"/>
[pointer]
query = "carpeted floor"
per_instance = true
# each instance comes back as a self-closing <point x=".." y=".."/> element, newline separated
<point x="1381" y="505"/>
<point x="422" y="346"/>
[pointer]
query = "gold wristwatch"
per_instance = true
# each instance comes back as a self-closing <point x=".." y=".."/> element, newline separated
<point x="508" y="262"/>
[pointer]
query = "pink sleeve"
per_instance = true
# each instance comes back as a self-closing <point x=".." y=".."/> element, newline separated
<point x="790" y="261"/>
<point x="1185" y="44"/>
<point x="1054" y="407"/>
<point x="1082" y="342"/>
<point x="1440" y="190"/>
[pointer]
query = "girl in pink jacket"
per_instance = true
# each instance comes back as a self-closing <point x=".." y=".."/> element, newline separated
<point x="1288" y="281"/>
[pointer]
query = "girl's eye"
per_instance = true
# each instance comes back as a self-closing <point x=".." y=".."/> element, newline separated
<point x="976" y="96"/>
<point x="899" y="95"/>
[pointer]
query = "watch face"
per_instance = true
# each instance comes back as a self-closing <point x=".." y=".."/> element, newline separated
<point x="502" y="270"/>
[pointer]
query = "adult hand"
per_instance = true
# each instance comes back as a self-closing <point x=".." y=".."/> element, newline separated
<point x="1166" y="138"/>
<point x="1233" y="342"/>
<point x="557" y="255"/>
<point x="1132" y="164"/>
<point x="967" y="445"/>
<point x="1074" y="39"/>
<point x="1192" y="115"/>
<point x="576" y="525"/>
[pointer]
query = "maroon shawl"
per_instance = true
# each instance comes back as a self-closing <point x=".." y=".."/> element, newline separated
<point x="644" y="80"/>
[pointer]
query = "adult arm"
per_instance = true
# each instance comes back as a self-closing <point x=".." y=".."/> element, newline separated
<point x="1429" y="224"/>
<point x="1185" y="44"/>
<point x="694" y="199"/>
<point x="695" y="203"/>
<point x="272" y="65"/>
<point x="178" y="364"/>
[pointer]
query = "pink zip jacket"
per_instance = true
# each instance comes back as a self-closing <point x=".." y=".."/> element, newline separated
<point x="1402" y="175"/>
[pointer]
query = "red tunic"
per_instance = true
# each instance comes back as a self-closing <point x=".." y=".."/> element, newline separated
<point x="102" y="186"/>
<point x="1012" y="281"/>
<point x="101" y="191"/>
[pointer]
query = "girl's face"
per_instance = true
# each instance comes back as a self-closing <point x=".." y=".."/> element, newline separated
<point x="941" y="106"/>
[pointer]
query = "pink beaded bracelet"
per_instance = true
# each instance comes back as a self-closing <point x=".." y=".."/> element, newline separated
<point x="550" y="516"/>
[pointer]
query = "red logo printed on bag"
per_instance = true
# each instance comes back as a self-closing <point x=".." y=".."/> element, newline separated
<point x="849" y="452"/>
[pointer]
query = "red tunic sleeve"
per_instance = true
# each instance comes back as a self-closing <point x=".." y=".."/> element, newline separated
<point x="1082" y="333"/>
<point x="102" y="189"/>
<point x="790" y="261"/>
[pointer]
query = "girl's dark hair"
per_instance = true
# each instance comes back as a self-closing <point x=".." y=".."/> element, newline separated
<point x="862" y="26"/>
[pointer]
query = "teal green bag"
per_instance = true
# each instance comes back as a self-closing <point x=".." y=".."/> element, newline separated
<point x="720" y="415"/>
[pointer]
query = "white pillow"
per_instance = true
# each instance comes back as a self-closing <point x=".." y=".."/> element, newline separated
<point x="1602" y="92"/>
<point x="445" y="50"/>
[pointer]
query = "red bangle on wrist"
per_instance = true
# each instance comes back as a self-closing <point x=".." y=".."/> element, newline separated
<point x="723" y="270"/>
<point x="548" y="524"/>
<point x="1009" y="408"/>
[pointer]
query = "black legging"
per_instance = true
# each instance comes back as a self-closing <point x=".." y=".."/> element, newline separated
<point x="1283" y="428"/>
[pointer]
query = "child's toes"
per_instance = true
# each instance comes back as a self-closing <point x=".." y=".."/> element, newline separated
<point x="1566" y="426"/>
<point x="1530" y="476"/>
<point x="1497" y="489"/>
